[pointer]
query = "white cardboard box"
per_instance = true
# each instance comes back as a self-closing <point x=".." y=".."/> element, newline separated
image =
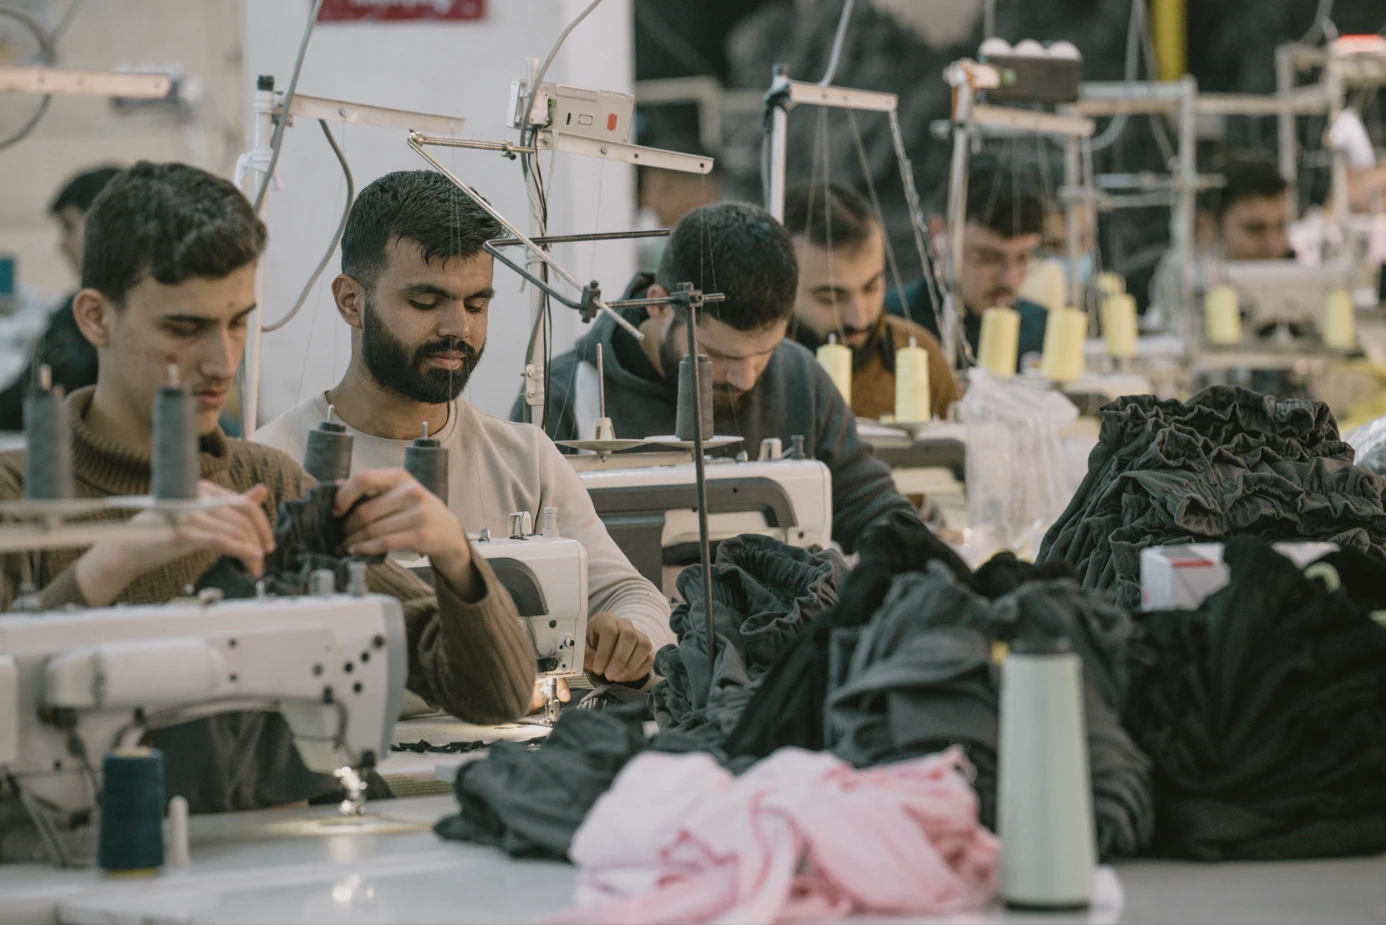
<point x="1182" y="577"/>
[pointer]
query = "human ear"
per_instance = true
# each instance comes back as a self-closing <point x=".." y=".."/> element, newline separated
<point x="350" y="297"/>
<point x="93" y="312"/>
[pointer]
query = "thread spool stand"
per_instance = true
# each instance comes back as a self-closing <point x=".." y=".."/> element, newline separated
<point x="604" y="441"/>
<point x="327" y="457"/>
<point x="426" y="460"/>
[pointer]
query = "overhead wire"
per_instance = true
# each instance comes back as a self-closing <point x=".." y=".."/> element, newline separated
<point x="336" y="236"/>
<point x="277" y="139"/>
<point x="49" y="52"/>
<point x="838" y="41"/>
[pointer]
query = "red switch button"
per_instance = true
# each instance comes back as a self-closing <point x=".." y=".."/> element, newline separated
<point x="611" y="122"/>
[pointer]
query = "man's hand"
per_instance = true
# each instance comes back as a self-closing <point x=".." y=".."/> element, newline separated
<point x="560" y="690"/>
<point x="616" y="650"/>
<point x="399" y="513"/>
<point x="239" y="529"/>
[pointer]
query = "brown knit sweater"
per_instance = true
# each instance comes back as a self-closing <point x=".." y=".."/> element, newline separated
<point x="472" y="659"/>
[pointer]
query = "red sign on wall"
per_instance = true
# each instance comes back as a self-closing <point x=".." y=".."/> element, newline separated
<point x="401" y="10"/>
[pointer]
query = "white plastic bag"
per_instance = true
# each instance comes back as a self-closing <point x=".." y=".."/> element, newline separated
<point x="1018" y="480"/>
<point x="1369" y="442"/>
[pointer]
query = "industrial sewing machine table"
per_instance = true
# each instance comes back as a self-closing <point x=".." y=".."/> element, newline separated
<point x="310" y="865"/>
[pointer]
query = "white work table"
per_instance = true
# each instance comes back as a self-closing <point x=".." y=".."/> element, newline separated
<point x="307" y="865"/>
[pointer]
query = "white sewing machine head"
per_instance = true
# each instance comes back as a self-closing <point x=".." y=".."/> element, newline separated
<point x="1281" y="292"/>
<point x="547" y="579"/>
<point x="333" y="665"/>
<point x="651" y="510"/>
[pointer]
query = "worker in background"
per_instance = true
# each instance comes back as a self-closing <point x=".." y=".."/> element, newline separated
<point x="1245" y="219"/>
<point x="69" y="356"/>
<point x="415" y="288"/>
<point x="168" y="279"/>
<point x="1004" y="221"/>
<point x="841" y="251"/>
<point x="764" y="386"/>
<point x="1046" y="283"/>
<point x="667" y="196"/>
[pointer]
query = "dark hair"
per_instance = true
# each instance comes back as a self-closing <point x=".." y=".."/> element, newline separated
<point x="832" y="217"/>
<point x="420" y="205"/>
<point x="1005" y="204"/>
<point x="81" y="191"/>
<point x="738" y="250"/>
<point x="173" y="222"/>
<point x="1248" y="176"/>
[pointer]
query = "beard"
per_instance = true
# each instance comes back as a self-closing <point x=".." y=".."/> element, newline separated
<point x="392" y="364"/>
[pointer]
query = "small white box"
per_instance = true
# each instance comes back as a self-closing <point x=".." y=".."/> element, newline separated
<point x="1182" y="577"/>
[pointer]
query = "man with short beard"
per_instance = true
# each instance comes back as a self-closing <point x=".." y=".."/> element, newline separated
<point x="415" y="288"/>
<point x="842" y="290"/>
<point x="764" y="386"/>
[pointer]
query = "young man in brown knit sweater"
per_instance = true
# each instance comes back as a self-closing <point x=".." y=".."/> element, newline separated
<point x="168" y="278"/>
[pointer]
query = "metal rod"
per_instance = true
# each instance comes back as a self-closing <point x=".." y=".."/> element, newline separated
<point x="663" y="300"/>
<point x="779" y="151"/>
<point x="579" y="238"/>
<point x="957" y="220"/>
<point x="416" y="142"/>
<point x="601" y="384"/>
<point x="1183" y="216"/>
<point x="250" y="386"/>
<point x="474" y="144"/>
<point x="700" y="484"/>
<point x="1072" y="181"/>
<point x="1285" y="126"/>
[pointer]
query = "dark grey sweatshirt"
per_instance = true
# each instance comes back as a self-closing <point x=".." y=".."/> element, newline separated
<point x="793" y="396"/>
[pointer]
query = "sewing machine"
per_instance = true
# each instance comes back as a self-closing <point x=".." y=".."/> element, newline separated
<point x="546" y="576"/>
<point x="1282" y="294"/>
<point x="650" y="510"/>
<point x="73" y="685"/>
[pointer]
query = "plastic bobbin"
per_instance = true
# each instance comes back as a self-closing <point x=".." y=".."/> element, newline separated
<point x="47" y="442"/>
<point x="175" y="468"/>
<point x="798" y="451"/>
<point x="322" y="582"/>
<point x="550" y="515"/>
<point x="427" y="461"/>
<point x="327" y="456"/>
<point x="356" y="579"/>
<point x="604" y="430"/>
<point x="130" y="841"/>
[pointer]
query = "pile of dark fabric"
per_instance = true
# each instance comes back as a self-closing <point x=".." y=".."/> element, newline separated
<point x="308" y="537"/>
<point x="1264" y="711"/>
<point x="765" y="595"/>
<point x="1229" y="463"/>
<point x="920" y="676"/>
<point x="890" y="661"/>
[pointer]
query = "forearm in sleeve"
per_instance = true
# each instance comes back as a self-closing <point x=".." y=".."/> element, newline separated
<point x="473" y="660"/>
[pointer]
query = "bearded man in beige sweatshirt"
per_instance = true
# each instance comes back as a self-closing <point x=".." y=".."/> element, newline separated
<point x="416" y="287"/>
<point x="168" y="276"/>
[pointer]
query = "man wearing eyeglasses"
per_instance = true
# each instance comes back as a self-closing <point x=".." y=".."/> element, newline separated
<point x="1002" y="233"/>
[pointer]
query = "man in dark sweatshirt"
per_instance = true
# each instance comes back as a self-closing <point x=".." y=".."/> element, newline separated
<point x="763" y="385"/>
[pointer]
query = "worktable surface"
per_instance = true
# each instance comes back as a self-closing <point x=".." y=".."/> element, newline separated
<point x="306" y="865"/>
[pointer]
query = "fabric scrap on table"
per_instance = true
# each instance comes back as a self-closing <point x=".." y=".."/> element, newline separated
<point x="1263" y="711"/>
<point x="1228" y="463"/>
<point x="801" y="836"/>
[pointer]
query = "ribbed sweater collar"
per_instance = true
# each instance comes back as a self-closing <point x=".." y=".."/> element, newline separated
<point x="113" y="469"/>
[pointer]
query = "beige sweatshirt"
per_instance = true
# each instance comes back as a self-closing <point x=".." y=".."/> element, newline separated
<point x="498" y="467"/>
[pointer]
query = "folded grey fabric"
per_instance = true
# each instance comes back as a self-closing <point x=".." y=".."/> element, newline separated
<point x="920" y="677"/>
<point x="1228" y="463"/>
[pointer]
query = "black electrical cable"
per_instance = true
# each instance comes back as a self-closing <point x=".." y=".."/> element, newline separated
<point x="336" y="237"/>
<point x="50" y="57"/>
<point x="277" y="139"/>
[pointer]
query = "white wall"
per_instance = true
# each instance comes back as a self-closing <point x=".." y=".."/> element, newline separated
<point x="461" y="69"/>
<point x="79" y="132"/>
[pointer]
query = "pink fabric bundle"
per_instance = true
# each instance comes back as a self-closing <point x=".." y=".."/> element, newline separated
<point x="801" y="836"/>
